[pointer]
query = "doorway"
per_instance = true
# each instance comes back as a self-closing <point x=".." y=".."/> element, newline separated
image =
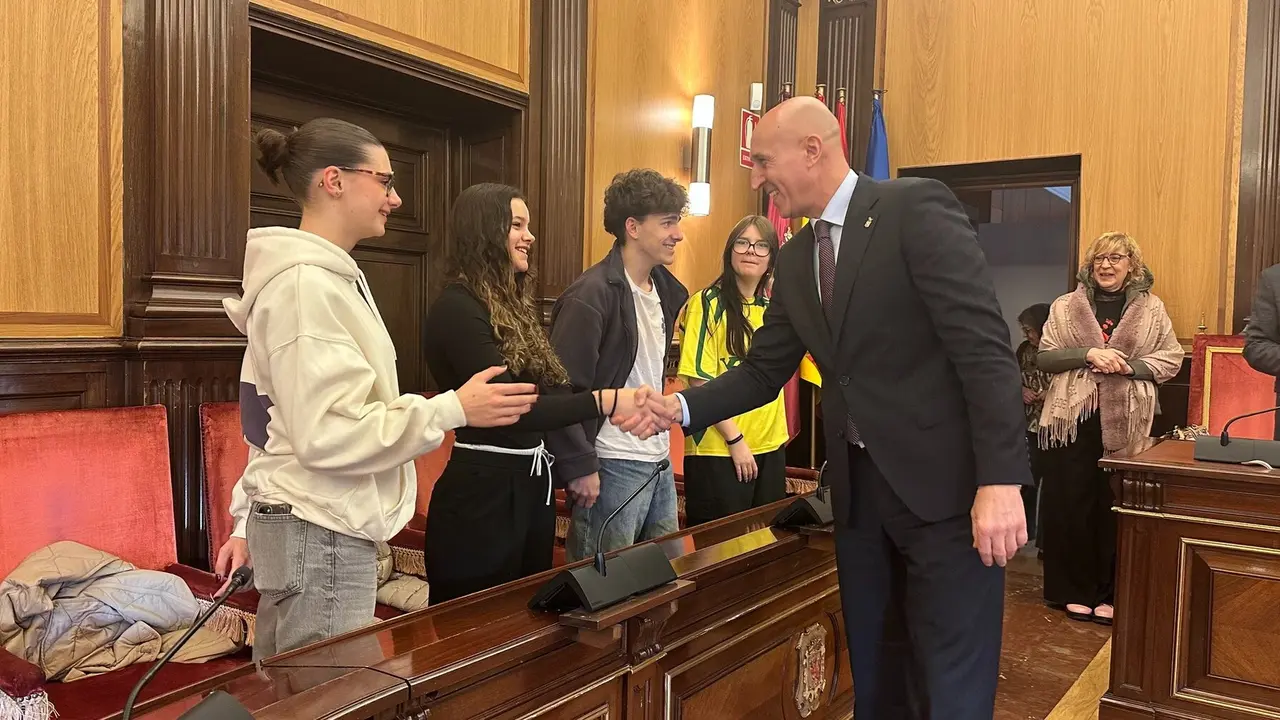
<point x="1027" y="216"/>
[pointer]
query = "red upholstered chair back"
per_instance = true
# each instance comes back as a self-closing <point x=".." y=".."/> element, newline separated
<point x="429" y="467"/>
<point x="98" y="477"/>
<point x="1223" y="386"/>
<point x="225" y="455"/>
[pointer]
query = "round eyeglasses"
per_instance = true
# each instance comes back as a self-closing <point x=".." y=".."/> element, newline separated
<point x="742" y="246"/>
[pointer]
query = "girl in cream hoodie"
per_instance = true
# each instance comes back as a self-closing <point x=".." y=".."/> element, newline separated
<point x="332" y="440"/>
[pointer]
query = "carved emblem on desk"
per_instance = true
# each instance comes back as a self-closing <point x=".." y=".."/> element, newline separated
<point x="811" y="668"/>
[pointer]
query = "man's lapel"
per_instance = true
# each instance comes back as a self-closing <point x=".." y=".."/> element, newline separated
<point x="855" y="236"/>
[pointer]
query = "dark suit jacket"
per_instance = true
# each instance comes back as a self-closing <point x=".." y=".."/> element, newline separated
<point x="1262" y="334"/>
<point x="916" y="351"/>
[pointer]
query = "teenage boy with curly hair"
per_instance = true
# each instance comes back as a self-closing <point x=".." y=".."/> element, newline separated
<point x="612" y="328"/>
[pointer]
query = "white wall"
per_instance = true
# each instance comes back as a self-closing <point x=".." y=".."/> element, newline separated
<point x="1028" y="263"/>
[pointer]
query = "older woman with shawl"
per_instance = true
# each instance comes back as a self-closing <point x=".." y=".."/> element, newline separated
<point x="1106" y="345"/>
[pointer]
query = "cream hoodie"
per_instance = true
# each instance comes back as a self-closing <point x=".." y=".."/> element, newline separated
<point x="328" y="430"/>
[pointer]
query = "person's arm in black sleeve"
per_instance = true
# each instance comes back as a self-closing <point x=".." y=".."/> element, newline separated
<point x="463" y="327"/>
<point x="576" y="329"/>
<point x="1262" y="334"/>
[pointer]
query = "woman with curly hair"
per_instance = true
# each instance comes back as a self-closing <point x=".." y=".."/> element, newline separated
<point x="491" y="518"/>
<point x="1106" y="346"/>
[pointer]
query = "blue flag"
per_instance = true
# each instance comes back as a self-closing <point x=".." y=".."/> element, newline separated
<point x="878" y="146"/>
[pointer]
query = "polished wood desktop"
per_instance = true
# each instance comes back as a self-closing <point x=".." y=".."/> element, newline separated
<point x="751" y="629"/>
<point x="1198" y="586"/>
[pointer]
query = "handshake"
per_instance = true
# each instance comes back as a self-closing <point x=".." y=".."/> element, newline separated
<point x="643" y="411"/>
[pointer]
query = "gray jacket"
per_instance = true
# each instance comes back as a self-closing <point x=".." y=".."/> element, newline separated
<point x="593" y="330"/>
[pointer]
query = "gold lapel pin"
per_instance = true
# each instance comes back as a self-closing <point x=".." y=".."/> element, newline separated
<point x="867" y="224"/>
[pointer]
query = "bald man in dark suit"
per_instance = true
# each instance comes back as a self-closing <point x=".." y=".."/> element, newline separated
<point x="888" y="290"/>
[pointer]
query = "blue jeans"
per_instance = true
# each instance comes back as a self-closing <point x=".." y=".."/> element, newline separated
<point x="651" y="515"/>
<point x="313" y="583"/>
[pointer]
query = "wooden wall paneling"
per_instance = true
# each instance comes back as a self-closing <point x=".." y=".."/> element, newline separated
<point x="640" y="104"/>
<point x="1107" y="80"/>
<point x="181" y="375"/>
<point x="487" y="39"/>
<point x="781" y="59"/>
<point x="88" y="373"/>
<point x="482" y="158"/>
<point x="846" y="59"/>
<point x="189" y="120"/>
<point x="398" y="279"/>
<point x="1258" y="223"/>
<point x="61" y="160"/>
<point x="558" y="128"/>
<point x="782" y="56"/>
<point x="807" y="23"/>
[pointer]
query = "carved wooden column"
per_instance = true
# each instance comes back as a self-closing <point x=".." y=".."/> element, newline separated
<point x="558" y="129"/>
<point x="1259" y="206"/>
<point x="186" y="214"/>
<point x="846" y="59"/>
<point x="780" y="63"/>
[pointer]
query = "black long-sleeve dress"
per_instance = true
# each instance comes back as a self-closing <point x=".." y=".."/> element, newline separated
<point x="491" y="519"/>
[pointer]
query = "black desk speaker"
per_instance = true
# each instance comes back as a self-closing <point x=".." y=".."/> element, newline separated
<point x="634" y="571"/>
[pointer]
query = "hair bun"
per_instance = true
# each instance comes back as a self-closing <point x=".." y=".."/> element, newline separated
<point x="273" y="151"/>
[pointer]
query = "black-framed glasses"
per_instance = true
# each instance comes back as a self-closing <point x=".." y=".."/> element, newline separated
<point x="742" y="246"/>
<point x="387" y="179"/>
<point x="1113" y="258"/>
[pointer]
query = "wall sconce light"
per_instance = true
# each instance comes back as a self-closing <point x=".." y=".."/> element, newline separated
<point x="704" y="111"/>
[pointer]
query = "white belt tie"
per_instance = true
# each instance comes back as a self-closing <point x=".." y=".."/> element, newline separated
<point x="541" y="458"/>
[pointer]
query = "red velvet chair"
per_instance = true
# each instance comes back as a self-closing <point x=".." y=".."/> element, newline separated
<point x="101" y="478"/>
<point x="1223" y="386"/>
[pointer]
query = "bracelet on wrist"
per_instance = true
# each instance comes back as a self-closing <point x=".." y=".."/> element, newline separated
<point x="734" y="441"/>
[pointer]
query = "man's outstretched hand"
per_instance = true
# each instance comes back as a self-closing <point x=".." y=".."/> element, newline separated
<point x="650" y="413"/>
<point x="999" y="523"/>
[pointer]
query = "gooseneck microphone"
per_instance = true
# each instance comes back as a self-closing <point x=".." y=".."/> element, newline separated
<point x="1240" y="451"/>
<point x="633" y="571"/>
<point x="1226" y="439"/>
<point x="600" y="565"/>
<point x="809" y="510"/>
<point x="242" y="576"/>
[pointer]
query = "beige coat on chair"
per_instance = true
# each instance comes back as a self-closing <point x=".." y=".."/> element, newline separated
<point x="76" y="612"/>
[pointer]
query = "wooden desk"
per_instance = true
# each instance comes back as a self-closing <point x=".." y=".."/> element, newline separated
<point x="1197" y="628"/>
<point x="759" y="636"/>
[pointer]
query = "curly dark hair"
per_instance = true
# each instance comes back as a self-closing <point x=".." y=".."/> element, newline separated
<point x="638" y="194"/>
<point x="480" y="223"/>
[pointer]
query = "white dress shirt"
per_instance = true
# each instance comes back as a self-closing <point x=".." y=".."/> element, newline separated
<point x="837" y="208"/>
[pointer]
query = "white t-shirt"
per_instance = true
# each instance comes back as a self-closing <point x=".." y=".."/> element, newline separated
<point x="651" y="354"/>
